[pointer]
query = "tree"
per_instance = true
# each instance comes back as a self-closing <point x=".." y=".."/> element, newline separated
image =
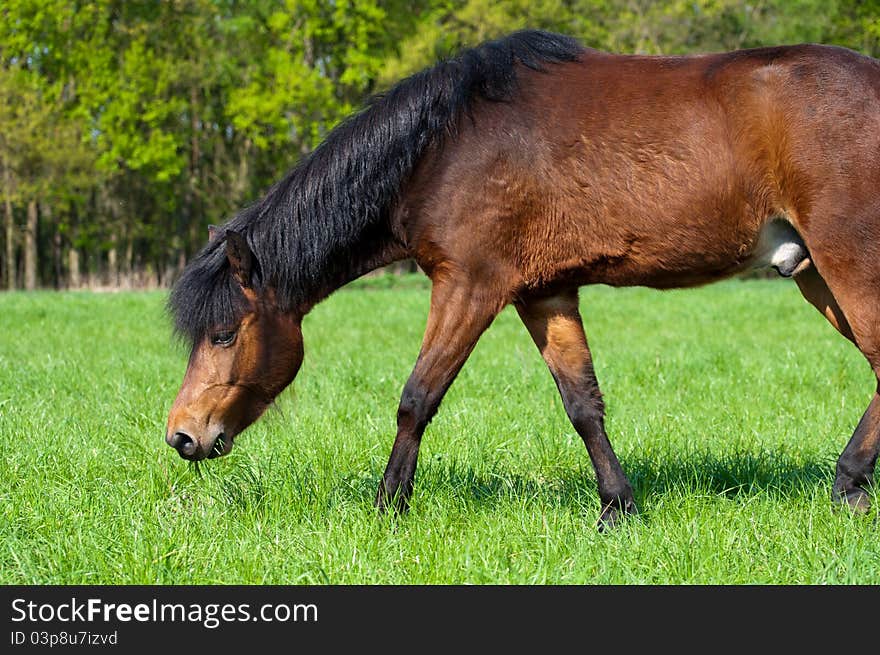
<point x="127" y="126"/>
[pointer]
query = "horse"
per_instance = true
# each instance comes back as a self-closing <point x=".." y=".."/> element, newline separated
<point x="515" y="173"/>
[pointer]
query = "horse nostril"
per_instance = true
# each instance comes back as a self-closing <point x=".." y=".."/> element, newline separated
<point x="183" y="443"/>
<point x="172" y="439"/>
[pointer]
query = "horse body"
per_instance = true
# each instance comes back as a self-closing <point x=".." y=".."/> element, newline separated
<point x="654" y="171"/>
<point x="527" y="168"/>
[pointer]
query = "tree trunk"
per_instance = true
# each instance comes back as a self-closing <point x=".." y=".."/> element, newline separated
<point x="128" y="282"/>
<point x="10" y="245"/>
<point x="57" y="266"/>
<point x="113" y="265"/>
<point x="74" y="280"/>
<point x="189" y="232"/>
<point x="10" y="230"/>
<point x="240" y="186"/>
<point x="181" y="264"/>
<point x="30" y="246"/>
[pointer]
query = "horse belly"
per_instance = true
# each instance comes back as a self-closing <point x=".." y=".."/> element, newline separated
<point x="680" y="261"/>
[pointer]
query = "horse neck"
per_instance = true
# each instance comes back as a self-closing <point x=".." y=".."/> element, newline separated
<point x="367" y="255"/>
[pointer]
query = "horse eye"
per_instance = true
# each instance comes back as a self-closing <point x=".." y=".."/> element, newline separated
<point x="223" y="338"/>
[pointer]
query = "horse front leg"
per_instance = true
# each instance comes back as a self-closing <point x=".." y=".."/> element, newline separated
<point x="556" y="328"/>
<point x="460" y="312"/>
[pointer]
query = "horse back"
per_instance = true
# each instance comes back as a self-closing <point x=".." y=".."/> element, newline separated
<point x="659" y="171"/>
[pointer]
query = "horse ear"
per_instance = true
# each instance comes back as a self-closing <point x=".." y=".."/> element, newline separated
<point x="240" y="257"/>
<point x="212" y="232"/>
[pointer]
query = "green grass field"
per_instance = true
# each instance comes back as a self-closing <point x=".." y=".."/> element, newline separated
<point x="728" y="406"/>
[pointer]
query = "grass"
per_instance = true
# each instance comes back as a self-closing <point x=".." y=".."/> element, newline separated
<point x="727" y="405"/>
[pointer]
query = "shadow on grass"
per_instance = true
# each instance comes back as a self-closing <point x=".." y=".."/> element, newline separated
<point x="774" y="473"/>
<point x="737" y="475"/>
<point x="493" y="486"/>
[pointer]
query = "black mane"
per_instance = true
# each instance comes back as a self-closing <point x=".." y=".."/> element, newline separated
<point x="308" y="232"/>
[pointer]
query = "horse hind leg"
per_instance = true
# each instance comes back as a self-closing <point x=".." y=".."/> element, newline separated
<point x="557" y="330"/>
<point x="850" y="305"/>
<point x="815" y="290"/>
<point x="854" y="473"/>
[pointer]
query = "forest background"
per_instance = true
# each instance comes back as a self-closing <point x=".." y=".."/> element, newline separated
<point x="127" y="127"/>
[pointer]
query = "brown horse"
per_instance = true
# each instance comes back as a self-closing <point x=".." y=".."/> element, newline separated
<point x="523" y="169"/>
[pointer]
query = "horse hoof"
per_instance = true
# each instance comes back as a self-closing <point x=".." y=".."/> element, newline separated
<point x="395" y="504"/>
<point x="855" y="500"/>
<point x="388" y="506"/>
<point x="614" y="513"/>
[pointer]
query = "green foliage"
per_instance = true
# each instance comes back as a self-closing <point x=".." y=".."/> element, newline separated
<point x="639" y="26"/>
<point x="42" y="127"/>
<point x="449" y="25"/>
<point x="138" y="122"/>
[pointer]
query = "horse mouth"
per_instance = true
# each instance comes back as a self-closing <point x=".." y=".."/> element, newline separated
<point x="222" y="445"/>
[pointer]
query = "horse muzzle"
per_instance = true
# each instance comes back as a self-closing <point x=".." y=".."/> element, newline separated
<point x="194" y="449"/>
